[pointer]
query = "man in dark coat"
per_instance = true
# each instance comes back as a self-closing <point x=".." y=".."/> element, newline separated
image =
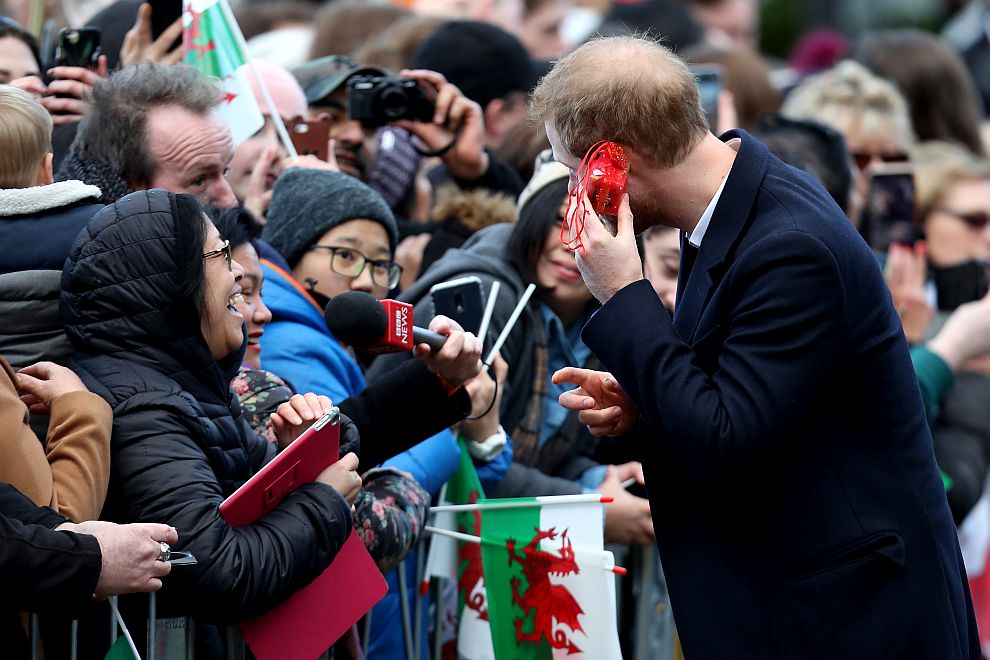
<point x="798" y="509"/>
<point x="60" y="572"/>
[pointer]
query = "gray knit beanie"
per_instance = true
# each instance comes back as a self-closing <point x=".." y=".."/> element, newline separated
<point x="307" y="203"/>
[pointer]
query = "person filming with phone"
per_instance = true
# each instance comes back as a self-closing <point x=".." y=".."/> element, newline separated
<point x="796" y="501"/>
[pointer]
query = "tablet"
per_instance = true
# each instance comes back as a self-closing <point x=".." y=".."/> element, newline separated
<point x="299" y="463"/>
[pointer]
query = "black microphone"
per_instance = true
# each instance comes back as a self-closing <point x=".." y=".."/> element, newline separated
<point x="375" y="326"/>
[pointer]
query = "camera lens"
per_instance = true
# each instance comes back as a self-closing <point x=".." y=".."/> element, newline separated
<point x="394" y="103"/>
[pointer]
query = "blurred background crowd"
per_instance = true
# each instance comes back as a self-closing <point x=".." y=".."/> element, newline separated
<point x="167" y="275"/>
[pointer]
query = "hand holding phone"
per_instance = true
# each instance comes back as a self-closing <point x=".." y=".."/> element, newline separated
<point x="312" y="137"/>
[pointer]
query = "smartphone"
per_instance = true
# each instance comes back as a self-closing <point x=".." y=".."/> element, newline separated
<point x="181" y="558"/>
<point x="462" y="300"/>
<point x="709" y="77"/>
<point x="311" y="137"/>
<point x="163" y="14"/>
<point x="78" y="47"/>
<point x="890" y="206"/>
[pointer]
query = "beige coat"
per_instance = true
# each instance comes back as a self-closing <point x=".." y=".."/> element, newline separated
<point x="72" y="478"/>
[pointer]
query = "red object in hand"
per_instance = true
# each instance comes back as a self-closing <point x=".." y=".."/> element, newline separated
<point x="603" y="177"/>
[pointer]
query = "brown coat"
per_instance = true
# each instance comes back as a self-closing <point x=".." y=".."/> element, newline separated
<point x="72" y="478"/>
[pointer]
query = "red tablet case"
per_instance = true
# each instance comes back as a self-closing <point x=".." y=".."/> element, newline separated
<point x="300" y="463"/>
<point x="317" y="615"/>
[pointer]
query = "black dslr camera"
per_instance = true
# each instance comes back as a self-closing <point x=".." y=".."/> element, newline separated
<point x="377" y="100"/>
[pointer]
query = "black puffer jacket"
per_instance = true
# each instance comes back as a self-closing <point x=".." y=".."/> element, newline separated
<point x="179" y="443"/>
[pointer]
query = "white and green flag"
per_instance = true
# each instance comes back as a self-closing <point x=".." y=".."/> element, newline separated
<point x="550" y="585"/>
<point x="213" y="44"/>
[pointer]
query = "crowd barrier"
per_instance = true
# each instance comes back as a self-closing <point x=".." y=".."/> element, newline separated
<point x="646" y="620"/>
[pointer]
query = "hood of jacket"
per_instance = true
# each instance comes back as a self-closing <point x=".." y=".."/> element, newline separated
<point x="120" y="297"/>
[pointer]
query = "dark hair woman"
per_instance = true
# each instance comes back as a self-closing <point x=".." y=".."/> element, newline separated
<point x="149" y="297"/>
<point x="553" y="453"/>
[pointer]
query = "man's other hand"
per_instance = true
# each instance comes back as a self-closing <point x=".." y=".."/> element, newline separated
<point x="627" y="517"/>
<point x="130" y="555"/>
<point x="604" y="407"/>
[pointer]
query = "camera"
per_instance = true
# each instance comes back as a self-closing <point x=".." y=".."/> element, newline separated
<point x="378" y="100"/>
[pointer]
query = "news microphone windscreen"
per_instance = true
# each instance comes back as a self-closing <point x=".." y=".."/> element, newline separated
<point x="356" y="318"/>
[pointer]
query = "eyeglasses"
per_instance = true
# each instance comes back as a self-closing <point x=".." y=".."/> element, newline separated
<point x="975" y="219"/>
<point x="863" y="158"/>
<point x="351" y="263"/>
<point x="225" y="251"/>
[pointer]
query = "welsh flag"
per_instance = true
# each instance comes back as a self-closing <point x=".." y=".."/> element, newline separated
<point x="551" y="589"/>
<point x="461" y="562"/>
<point x="214" y="45"/>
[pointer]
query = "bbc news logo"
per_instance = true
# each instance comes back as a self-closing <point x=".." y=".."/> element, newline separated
<point x="402" y="325"/>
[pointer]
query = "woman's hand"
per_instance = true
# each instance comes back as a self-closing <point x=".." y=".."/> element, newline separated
<point x="139" y="46"/>
<point x="906" y="277"/>
<point x="68" y="94"/>
<point x="44" y="382"/>
<point x="342" y="476"/>
<point x="296" y="415"/>
<point x="459" y="359"/>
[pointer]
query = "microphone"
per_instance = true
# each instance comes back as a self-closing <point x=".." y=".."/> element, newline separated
<point x="360" y="320"/>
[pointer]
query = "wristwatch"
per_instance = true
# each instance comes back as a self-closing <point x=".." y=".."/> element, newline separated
<point x="490" y="448"/>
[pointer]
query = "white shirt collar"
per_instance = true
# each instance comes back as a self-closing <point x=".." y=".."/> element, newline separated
<point x="698" y="235"/>
<point x="695" y="237"/>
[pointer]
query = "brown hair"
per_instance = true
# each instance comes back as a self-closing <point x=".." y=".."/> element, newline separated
<point x="630" y="90"/>
<point x="345" y="25"/>
<point x="933" y="78"/>
<point x="25" y="137"/>
<point x="745" y="74"/>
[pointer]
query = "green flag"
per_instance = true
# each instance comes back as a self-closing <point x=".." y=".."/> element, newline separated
<point x="213" y="45"/>
<point x="121" y="650"/>
<point x="551" y="592"/>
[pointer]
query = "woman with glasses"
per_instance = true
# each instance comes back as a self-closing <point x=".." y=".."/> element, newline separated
<point x="149" y="300"/>
<point x="869" y="112"/>
<point x="337" y="235"/>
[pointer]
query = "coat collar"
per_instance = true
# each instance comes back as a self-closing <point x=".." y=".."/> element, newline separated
<point x="732" y="215"/>
<point x="37" y="199"/>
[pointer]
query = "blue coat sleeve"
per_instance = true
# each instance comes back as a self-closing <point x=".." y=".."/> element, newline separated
<point x="431" y="463"/>
<point x="310" y="360"/>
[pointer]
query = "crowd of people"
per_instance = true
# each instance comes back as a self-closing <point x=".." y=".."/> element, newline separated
<point x="162" y="288"/>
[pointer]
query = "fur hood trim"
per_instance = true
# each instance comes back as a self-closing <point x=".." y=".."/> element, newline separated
<point x="36" y="199"/>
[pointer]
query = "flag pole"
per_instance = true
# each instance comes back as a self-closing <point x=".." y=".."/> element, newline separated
<point x="547" y="500"/>
<point x="486" y="319"/>
<point x="123" y="628"/>
<point x="520" y="306"/>
<point x="276" y="118"/>
<point x="468" y="538"/>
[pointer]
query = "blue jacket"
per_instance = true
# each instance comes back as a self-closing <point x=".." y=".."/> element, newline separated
<point x="798" y="509"/>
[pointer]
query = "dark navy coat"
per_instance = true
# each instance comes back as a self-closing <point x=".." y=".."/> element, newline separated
<point x="798" y="508"/>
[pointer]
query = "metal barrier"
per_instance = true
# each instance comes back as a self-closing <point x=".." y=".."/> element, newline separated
<point x="654" y="636"/>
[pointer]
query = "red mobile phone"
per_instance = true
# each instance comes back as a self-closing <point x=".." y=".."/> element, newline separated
<point x="311" y="137"/>
<point x="603" y="176"/>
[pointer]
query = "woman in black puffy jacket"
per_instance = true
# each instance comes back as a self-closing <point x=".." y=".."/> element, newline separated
<point x="148" y="299"/>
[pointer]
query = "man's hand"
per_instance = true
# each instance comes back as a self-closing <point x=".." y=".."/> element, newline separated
<point x="604" y="407"/>
<point x="312" y="162"/>
<point x="608" y="264"/>
<point x="259" y="192"/>
<point x="481" y="389"/>
<point x="296" y="415"/>
<point x="130" y="555"/>
<point x="139" y="46"/>
<point x="467" y="159"/>
<point x="44" y="382"/>
<point x="342" y="476"/>
<point x="69" y="93"/>
<point x="459" y="359"/>
<point x="627" y="518"/>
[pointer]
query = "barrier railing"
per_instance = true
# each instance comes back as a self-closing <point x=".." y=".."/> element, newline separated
<point x="654" y="636"/>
